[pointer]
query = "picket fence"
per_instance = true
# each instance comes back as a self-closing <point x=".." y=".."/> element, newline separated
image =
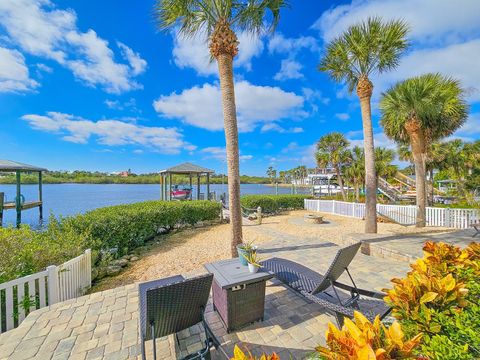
<point x="55" y="284"/>
<point x="403" y="214"/>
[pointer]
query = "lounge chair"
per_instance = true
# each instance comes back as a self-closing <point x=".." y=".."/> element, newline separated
<point x="170" y="305"/>
<point x="476" y="227"/>
<point x="325" y="290"/>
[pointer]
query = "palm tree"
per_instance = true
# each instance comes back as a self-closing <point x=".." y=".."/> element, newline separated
<point x="419" y="111"/>
<point x="355" y="171"/>
<point x="383" y="162"/>
<point x="271" y="173"/>
<point x="219" y="20"/>
<point x="332" y="149"/>
<point x="371" y="47"/>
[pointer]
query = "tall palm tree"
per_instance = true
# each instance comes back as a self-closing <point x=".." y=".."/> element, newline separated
<point x="372" y="47"/>
<point x="219" y="20"/>
<point x="332" y="149"/>
<point x="355" y="171"/>
<point x="419" y="111"/>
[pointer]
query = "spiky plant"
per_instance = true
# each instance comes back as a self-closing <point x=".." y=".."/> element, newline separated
<point x="219" y="20"/>
<point x="371" y="47"/>
<point x="419" y="111"/>
<point x="355" y="171"/>
<point x="332" y="150"/>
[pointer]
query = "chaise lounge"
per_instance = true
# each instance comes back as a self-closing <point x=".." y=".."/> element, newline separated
<point x="339" y="299"/>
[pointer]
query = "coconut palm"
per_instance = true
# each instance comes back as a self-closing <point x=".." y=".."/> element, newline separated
<point x="355" y="171"/>
<point x="332" y="150"/>
<point x="419" y="111"/>
<point x="218" y="20"/>
<point x="372" y="47"/>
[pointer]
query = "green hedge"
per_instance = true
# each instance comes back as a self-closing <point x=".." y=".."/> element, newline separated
<point x="274" y="203"/>
<point x="129" y="226"/>
<point x="25" y="251"/>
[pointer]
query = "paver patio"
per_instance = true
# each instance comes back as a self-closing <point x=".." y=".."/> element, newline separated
<point x="104" y="325"/>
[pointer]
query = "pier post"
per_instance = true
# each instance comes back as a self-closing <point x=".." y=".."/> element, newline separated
<point x="18" y="200"/>
<point x="208" y="186"/>
<point x="40" y="196"/>
<point x="2" y="197"/>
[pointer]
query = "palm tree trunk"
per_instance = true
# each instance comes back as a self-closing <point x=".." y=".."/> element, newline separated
<point x="364" y="92"/>
<point x="357" y="193"/>
<point x="340" y="183"/>
<point x="225" y="69"/>
<point x="418" y="151"/>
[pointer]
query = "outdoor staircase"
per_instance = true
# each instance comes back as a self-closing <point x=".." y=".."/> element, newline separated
<point x="388" y="190"/>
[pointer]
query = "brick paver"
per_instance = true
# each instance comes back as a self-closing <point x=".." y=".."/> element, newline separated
<point x="104" y="325"/>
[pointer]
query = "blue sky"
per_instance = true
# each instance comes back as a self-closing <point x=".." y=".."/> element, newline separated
<point x="93" y="85"/>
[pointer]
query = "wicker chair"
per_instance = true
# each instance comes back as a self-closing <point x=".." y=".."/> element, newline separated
<point x="325" y="290"/>
<point x="170" y="305"/>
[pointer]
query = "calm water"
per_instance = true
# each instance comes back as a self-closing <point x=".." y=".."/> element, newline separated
<point x="71" y="199"/>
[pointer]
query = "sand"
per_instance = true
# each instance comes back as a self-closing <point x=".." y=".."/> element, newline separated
<point x="187" y="250"/>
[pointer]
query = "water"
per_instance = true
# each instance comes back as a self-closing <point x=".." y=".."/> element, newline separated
<point x="71" y="199"/>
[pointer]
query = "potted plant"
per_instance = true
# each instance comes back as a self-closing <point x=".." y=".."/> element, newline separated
<point x="243" y="250"/>
<point x="253" y="261"/>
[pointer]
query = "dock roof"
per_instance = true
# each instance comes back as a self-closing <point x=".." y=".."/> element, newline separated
<point x="8" y="165"/>
<point x="187" y="168"/>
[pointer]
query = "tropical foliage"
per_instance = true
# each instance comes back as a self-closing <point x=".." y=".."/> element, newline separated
<point x="419" y="111"/>
<point x="372" y="47"/>
<point x="332" y="151"/>
<point x="238" y="354"/>
<point x="439" y="297"/>
<point x="360" y="339"/>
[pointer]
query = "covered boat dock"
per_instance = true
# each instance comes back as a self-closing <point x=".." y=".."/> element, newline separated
<point x="19" y="203"/>
<point x="185" y="169"/>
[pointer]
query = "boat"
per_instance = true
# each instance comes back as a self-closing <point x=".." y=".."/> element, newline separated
<point x="181" y="193"/>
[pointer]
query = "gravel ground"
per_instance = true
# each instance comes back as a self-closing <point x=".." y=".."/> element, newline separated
<point x="187" y="250"/>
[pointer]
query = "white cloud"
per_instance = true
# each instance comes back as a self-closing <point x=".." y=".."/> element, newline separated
<point x="458" y="60"/>
<point x="138" y="64"/>
<point x="430" y="20"/>
<point x="281" y="45"/>
<point x="272" y="126"/>
<point x="470" y="131"/>
<point x="379" y="139"/>
<point x="109" y="132"/>
<point x="201" y="105"/>
<point x="14" y="74"/>
<point x="119" y="105"/>
<point x="289" y="69"/>
<point x="342" y="116"/>
<point x="40" y="29"/>
<point x="193" y="52"/>
<point x="220" y="153"/>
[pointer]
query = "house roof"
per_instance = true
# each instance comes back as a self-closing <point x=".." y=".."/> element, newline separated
<point x="8" y="165"/>
<point x="187" y="168"/>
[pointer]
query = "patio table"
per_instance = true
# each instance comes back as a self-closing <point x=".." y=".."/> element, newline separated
<point x="238" y="295"/>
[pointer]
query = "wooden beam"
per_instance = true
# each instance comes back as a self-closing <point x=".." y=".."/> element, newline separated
<point x="208" y="186"/>
<point x="2" y="199"/>
<point x="198" y="187"/>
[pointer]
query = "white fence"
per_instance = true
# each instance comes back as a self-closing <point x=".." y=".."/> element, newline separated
<point x="57" y="283"/>
<point x="403" y="214"/>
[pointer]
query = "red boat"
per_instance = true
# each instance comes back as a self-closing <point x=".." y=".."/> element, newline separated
<point x="183" y="193"/>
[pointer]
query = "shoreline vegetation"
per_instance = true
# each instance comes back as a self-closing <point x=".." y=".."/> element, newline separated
<point x="87" y="177"/>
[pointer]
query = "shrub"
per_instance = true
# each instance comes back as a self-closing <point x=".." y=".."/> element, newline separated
<point x="25" y="251"/>
<point x="365" y="340"/>
<point x="440" y="297"/>
<point x="126" y="227"/>
<point x="274" y="203"/>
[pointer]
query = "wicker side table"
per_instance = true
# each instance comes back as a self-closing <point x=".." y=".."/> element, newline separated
<point x="238" y="295"/>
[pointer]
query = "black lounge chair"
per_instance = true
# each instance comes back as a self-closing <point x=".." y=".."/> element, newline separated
<point x="325" y="290"/>
<point x="170" y="305"/>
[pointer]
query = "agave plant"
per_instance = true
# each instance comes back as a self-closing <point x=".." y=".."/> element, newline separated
<point x="360" y="339"/>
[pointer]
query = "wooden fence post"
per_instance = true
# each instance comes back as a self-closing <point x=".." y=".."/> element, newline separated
<point x="88" y="254"/>
<point x="52" y="278"/>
